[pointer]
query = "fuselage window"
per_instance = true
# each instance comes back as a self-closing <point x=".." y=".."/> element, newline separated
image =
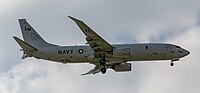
<point x="146" y="47"/>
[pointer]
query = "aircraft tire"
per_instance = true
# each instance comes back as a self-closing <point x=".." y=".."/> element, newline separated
<point x="172" y="64"/>
<point x="103" y="70"/>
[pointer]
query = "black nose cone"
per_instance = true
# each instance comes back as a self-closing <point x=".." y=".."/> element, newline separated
<point x="188" y="52"/>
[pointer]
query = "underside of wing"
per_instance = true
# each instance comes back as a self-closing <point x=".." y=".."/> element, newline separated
<point x="95" y="70"/>
<point x="117" y="67"/>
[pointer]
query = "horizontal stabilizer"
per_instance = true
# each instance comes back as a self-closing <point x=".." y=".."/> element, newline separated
<point x="25" y="46"/>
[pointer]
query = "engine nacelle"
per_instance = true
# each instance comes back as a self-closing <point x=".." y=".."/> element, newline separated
<point x="122" y="67"/>
<point x="121" y="52"/>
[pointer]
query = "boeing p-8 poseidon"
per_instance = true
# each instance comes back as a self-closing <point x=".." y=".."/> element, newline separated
<point x="98" y="52"/>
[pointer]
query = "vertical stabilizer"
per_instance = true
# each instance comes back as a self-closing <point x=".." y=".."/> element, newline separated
<point x="31" y="36"/>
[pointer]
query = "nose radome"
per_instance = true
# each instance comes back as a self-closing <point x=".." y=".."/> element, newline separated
<point x="188" y="52"/>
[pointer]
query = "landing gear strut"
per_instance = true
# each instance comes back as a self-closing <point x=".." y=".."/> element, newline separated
<point x="102" y="61"/>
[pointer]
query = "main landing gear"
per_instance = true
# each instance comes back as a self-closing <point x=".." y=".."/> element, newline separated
<point x="103" y="63"/>
<point x="103" y="70"/>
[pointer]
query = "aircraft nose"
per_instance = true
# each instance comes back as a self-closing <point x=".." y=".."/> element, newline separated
<point x="188" y="52"/>
<point x="185" y="52"/>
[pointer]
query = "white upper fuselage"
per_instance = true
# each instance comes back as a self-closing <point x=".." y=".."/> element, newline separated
<point x="138" y="52"/>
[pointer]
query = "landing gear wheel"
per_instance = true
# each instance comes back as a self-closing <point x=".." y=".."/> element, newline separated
<point x="172" y="64"/>
<point x="102" y="61"/>
<point x="103" y="70"/>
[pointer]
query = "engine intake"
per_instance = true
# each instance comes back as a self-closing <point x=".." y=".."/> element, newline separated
<point x="122" y="67"/>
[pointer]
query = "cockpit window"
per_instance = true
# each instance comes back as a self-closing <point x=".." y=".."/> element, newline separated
<point x="178" y="47"/>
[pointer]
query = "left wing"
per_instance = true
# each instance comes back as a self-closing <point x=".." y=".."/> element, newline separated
<point x="98" y="44"/>
<point x="95" y="70"/>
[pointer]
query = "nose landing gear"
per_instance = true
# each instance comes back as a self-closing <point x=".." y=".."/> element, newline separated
<point x="172" y="63"/>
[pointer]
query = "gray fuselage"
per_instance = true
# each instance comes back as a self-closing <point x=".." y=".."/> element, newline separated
<point x="134" y="52"/>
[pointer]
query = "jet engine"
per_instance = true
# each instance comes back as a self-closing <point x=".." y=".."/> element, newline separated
<point x="122" y="67"/>
<point x="121" y="52"/>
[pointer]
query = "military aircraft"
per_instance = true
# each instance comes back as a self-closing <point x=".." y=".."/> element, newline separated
<point x="97" y="51"/>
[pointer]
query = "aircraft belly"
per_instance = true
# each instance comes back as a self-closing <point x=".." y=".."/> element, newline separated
<point x="144" y="57"/>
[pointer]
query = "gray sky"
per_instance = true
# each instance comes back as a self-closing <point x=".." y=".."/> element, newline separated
<point x="117" y="21"/>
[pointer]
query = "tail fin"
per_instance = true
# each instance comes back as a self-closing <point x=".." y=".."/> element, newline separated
<point x="31" y="36"/>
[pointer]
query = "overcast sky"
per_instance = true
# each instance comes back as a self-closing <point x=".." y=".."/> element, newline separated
<point x="117" y="21"/>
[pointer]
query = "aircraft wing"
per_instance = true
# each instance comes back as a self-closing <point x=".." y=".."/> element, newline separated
<point x="98" y="44"/>
<point x="95" y="70"/>
<point x="98" y="68"/>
